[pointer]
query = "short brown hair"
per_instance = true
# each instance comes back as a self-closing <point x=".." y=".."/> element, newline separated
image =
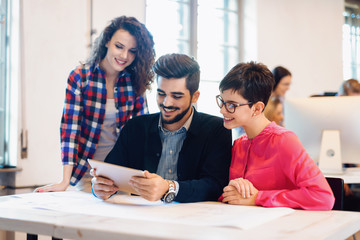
<point x="254" y="81"/>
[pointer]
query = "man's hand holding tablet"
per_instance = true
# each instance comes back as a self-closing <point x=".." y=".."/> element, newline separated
<point x="110" y="178"/>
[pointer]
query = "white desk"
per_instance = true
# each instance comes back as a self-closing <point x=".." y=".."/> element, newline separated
<point x="350" y="175"/>
<point x="296" y="225"/>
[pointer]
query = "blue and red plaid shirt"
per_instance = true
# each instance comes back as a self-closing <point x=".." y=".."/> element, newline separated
<point x="84" y="113"/>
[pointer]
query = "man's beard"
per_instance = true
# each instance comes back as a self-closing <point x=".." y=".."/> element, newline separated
<point x="177" y="117"/>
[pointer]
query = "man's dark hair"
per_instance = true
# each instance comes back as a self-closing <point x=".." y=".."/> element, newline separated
<point x="178" y="66"/>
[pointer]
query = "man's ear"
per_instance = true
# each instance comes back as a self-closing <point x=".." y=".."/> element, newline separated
<point x="195" y="96"/>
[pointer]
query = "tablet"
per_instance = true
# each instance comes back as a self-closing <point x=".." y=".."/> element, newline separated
<point x="120" y="175"/>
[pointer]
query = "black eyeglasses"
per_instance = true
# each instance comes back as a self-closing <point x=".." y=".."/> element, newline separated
<point x="230" y="107"/>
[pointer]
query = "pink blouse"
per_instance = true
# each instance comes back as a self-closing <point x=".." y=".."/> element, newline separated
<point x="276" y="163"/>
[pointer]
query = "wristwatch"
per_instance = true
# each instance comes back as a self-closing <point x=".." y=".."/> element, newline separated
<point x="171" y="193"/>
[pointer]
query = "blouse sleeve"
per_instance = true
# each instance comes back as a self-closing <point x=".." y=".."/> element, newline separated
<point x="71" y="120"/>
<point x="312" y="192"/>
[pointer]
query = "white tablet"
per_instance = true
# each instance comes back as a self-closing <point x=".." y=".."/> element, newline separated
<point x="120" y="175"/>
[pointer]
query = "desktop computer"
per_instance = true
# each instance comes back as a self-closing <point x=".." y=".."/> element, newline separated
<point x="328" y="128"/>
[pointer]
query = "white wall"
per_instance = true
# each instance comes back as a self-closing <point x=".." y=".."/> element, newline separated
<point x="105" y="10"/>
<point x="53" y="42"/>
<point x="305" y="36"/>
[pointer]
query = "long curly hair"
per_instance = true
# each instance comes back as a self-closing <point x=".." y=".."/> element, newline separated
<point x="142" y="75"/>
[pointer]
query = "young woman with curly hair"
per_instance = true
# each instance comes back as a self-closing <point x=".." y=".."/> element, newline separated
<point x="102" y="95"/>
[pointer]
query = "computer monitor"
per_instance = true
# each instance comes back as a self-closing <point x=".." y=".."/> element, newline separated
<point x="309" y="118"/>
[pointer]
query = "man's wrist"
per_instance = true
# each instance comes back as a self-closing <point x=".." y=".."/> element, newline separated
<point x="170" y="194"/>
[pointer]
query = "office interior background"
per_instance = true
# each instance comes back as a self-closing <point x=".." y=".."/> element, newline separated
<point x="43" y="40"/>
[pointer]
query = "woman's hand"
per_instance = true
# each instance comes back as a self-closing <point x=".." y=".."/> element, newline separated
<point x="58" y="187"/>
<point x="243" y="186"/>
<point x="240" y="191"/>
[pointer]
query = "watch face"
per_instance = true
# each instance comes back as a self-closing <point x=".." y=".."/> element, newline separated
<point x="169" y="197"/>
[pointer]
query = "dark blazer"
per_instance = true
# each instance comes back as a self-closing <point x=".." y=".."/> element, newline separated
<point x="204" y="160"/>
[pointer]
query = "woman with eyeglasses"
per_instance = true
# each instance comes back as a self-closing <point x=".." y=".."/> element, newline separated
<point x="269" y="166"/>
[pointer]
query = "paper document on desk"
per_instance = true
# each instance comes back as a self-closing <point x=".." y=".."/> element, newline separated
<point x="221" y="215"/>
<point x="213" y="214"/>
<point x="120" y="175"/>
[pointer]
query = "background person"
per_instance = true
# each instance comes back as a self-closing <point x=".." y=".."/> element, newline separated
<point x="274" y="111"/>
<point x="283" y="78"/>
<point x="102" y="95"/>
<point x="350" y="87"/>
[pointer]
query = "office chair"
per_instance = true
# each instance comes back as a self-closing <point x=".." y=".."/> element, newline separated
<point x="337" y="186"/>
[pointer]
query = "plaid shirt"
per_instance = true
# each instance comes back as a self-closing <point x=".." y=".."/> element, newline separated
<point x="84" y="113"/>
